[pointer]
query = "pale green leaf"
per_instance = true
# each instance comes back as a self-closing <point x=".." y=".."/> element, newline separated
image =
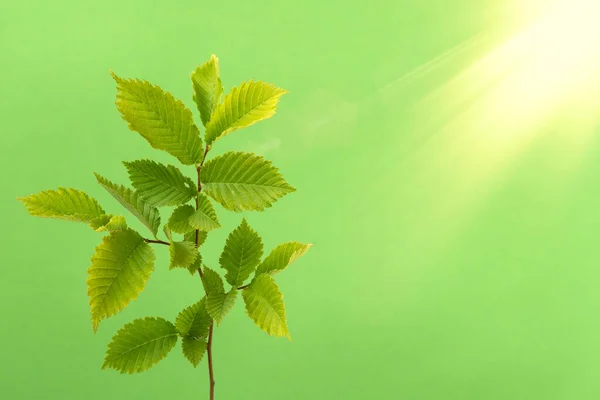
<point x="264" y="304"/>
<point x="182" y="254"/>
<point x="219" y="304"/>
<point x="282" y="256"/>
<point x="193" y="349"/>
<point x="194" y="321"/>
<point x="245" y="105"/>
<point x="120" y="268"/>
<point x="159" y="184"/>
<point x="213" y="284"/>
<point x="66" y="204"/>
<point x="179" y="219"/>
<point x="243" y="181"/>
<point x="133" y="202"/>
<point x="140" y="344"/>
<point x="205" y="217"/>
<point x="242" y="253"/>
<point x="207" y="88"/>
<point x="165" y="122"/>
<point x="191" y="237"/>
<point x="109" y="223"/>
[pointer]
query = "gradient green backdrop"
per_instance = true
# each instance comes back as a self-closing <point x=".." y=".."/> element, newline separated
<point x="437" y="272"/>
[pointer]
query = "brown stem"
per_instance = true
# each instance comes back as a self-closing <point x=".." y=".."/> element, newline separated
<point x="243" y="287"/>
<point x="156" y="241"/>
<point x="211" y="374"/>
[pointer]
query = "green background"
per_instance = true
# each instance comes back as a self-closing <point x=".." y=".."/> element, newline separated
<point x="449" y="262"/>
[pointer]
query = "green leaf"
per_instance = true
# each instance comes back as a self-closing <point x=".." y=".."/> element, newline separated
<point x="165" y="122"/>
<point x="159" y="184"/>
<point x="194" y="321"/>
<point x="193" y="349"/>
<point x="207" y="88"/>
<point x="191" y="237"/>
<point x="213" y="284"/>
<point x="183" y="254"/>
<point x="140" y="344"/>
<point x="120" y="269"/>
<point x="167" y="232"/>
<point x="109" y="223"/>
<point x="264" y="304"/>
<point x="205" y="217"/>
<point x="219" y="304"/>
<point x="245" y="105"/>
<point x="133" y="202"/>
<point x="66" y="204"/>
<point x="282" y="256"/>
<point x="193" y="267"/>
<point x="179" y="220"/>
<point x="243" y="181"/>
<point x="242" y="253"/>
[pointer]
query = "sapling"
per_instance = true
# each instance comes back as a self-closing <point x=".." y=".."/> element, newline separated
<point x="238" y="181"/>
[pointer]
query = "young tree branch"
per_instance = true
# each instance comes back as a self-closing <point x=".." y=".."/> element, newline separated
<point x="211" y="375"/>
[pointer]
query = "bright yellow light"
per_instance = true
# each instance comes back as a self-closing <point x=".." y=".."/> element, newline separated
<point x="531" y="76"/>
<point x="545" y="75"/>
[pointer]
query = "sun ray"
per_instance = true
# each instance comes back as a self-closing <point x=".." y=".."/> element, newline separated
<point x="544" y="75"/>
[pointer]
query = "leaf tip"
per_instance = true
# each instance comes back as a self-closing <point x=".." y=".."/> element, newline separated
<point x="114" y="76"/>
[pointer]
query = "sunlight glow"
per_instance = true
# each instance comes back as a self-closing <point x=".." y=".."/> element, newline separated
<point x="528" y="79"/>
<point x="545" y="76"/>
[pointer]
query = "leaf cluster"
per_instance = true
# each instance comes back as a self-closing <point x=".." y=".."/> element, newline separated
<point x="237" y="181"/>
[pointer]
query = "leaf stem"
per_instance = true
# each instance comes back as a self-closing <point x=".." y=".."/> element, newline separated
<point x="211" y="374"/>
<point x="156" y="241"/>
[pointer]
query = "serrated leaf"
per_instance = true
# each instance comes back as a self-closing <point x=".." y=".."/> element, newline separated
<point x="213" y="284"/>
<point x="194" y="321"/>
<point x="167" y="232"/>
<point x="193" y="349"/>
<point x="179" y="219"/>
<point x="109" y="223"/>
<point x="219" y="304"/>
<point x="165" y="122"/>
<point x="193" y="268"/>
<point x="120" y="269"/>
<point x="207" y="88"/>
<point x="65" y="204"/>
<point x="245" y="105"/>
<point x="264" y="305"/>
<point x="182" y="254"/>
<point x="243" y="181"/>
<point x="242" y="253"/>
<point x="282" y="256"/>
<point x="191" y="237"/>
<point x="205" y="217"/>
<point x="146" y="213"/>
<point x="140" y="344"/>
<point x="159" y="184"/>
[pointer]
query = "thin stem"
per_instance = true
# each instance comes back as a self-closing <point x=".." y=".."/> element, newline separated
<point x="211" y="374"/>
<point x="200" y="167"/>
<point x="243" y="287"/>
<point x="156" y="241"/>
